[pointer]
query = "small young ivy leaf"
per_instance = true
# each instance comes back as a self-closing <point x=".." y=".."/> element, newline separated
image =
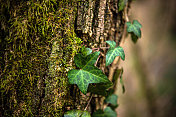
<point x="77" y="113"/>
<point x="134" y="28"/>
<point x="82" y="61"/>
<point x="86" y="51"/>
<point x="121" y="5"/>
<point x="111" y="43"/>
<point x="108" y="112"/>
<point x="113" y="53"/>
<point x="112" y="99"/>
<point x="100" y="88"/>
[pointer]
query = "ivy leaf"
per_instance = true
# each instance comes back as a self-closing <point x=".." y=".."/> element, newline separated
<point x="134" y="28"/>
<point x="112" y="99"/>
<point x="111" y="43"/>
<point x="86" y="51"/>
<point x="113" y="53"/>
<point x="82" y="61"/>
<point x="85" y="76"/>
<point x="77" y="113"/>
<point x="108" y="112"/>
<point x="88" y="72"/>
<point x="121" y="4"/>
<point x="100" y="88"/>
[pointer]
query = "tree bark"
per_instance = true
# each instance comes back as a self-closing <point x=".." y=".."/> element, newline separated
<point x="39" y="39"/>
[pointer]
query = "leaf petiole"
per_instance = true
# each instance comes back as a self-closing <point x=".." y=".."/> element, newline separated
<point x="100" y="48"/>
<point x="91" y="95"/>
<point x="104" y="47"/>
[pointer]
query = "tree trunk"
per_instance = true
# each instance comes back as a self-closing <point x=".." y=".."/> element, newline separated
<point x="39" y="39"/>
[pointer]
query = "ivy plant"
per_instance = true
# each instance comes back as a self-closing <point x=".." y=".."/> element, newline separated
<point x="87" y="73"/>
<point x="90" y="78"/>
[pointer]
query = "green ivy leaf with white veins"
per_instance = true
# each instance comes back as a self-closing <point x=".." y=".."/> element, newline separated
<point x="82" y="61"/>
<point x="113" y="53"/>
<point x="134" y="28"/>
<point x="88" y="72"/>
<point x="108" y="112"/>
<point x="77" y="113"/>
<point x="111" y="43"/>
<point x="85" y="76"/>
<point x="112" y="99"/>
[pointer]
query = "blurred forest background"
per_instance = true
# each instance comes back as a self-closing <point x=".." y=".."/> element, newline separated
<point x="150" y="66"/>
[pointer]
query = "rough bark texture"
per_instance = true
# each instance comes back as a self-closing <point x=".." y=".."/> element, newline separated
<point x="39" y="39"/>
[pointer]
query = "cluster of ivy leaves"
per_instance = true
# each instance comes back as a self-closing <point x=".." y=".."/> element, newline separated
<point x="89" y="74"/>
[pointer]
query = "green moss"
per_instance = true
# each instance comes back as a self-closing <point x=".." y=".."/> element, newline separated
<point x="38" y="50"/>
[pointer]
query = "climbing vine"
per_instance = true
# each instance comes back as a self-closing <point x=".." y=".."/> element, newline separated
<point x="88" y="74"/>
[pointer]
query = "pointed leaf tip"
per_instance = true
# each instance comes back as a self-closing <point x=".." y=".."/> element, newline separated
<point x="86" y="51"/>
<point x="81" y="60"/>
<point x="111" y="43"/>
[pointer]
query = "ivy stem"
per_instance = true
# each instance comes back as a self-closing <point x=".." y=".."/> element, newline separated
<point x="88" y="102"/>
<point x="97" y="60"/>
<point x="126" y="12"/>
<point x="100" y="48"/>
<point x="104" y="47"/>
<point x="95" y="49"/>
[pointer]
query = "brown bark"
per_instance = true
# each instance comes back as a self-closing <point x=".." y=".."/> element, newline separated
<point x="97" y="23"/>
